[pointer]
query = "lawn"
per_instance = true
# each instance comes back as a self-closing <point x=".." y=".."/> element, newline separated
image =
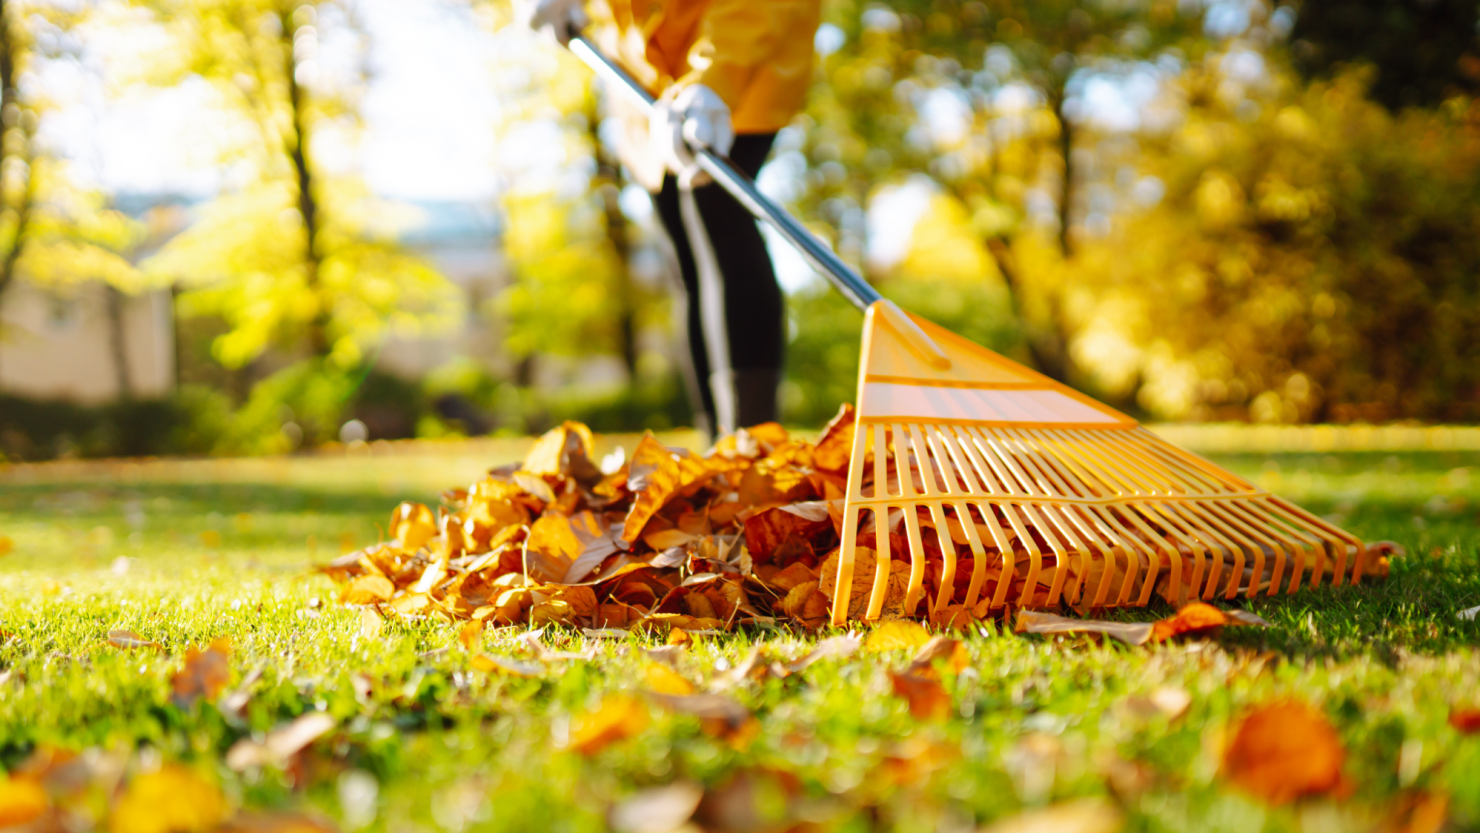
<point x="183" y="553"/>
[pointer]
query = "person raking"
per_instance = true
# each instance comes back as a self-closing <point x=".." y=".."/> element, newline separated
<point x="728" y="74"/>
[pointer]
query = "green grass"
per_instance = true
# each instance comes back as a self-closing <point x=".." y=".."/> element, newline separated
<point x="185" y="552"/>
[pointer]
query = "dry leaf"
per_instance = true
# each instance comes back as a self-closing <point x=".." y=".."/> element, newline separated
<point x="1198" y="618"/>
<point x="1131" y="633"/>
<point x="664" y="680"/>
<point x="1423" y="813"/>
<point x="720" y="716"/>
<point x="172" y="798"/>
<point x="896" y="635"/>
<point x="927" y="697"/>
<point x="370" y="623"/>
<point x="129" y="640"/>
<point x="1284" y="751"/>
<point x="471" y="635"/>
<point x="657" y="810"/>
<point x="617" y="718"/>
<point x="941" y="647"/>
<point x="206" y="672"/>
<point x="1467" y="721"/>
<point x="413" y="525"/>
<point x="1083" y="815"/>
<point x="489" y="664"/>
<point x="834" y="646"/>
<point x="22" y="800"/>
<point x="281" y="744"/>
<point x="6" y="545"/>
<point x="1168" y="701"/>
<point x="367" y="590"/>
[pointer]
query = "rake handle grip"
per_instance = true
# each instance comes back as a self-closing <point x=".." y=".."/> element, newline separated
<point x="742" y="187"/>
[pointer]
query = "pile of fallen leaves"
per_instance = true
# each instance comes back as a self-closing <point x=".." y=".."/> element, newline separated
<point x="746" y="533"/>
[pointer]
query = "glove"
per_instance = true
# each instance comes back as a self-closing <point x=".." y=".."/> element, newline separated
<point x="690" y="115"/>
<point x="555" y="19"/>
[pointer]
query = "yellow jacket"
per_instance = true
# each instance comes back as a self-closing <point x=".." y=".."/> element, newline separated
<point x="756" y="54"/>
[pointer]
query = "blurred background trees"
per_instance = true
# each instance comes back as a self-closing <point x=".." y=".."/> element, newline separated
<point x="1193" y="209"/>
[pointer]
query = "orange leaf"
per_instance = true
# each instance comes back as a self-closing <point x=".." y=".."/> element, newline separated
<point x="941" y="647"/>
<point x="505" y="665"/>
<point x="720" y="716"/>
<point x="617" y="718"/>
<point x="1465" y="720"/>
<point x="367" y="590"/>
<point x="551" y="453"/>
<point x="22" y="800"/>
<point x="413" y="525"/>
<point x="129" y="640"/>
<point x="834" y="448"/>
<point x="206" y="672"/>
<point x="1283" y="751"/>
<point x="664" y="680"/>
<point x="471" y="634"/>
<point x="927" y="698"/>
<point x="171" y="798"/>
<point x="662" y="474"/>
<point x="1199" y="617"/>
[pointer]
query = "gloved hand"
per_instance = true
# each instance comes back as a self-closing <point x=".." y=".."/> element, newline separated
<point x="693" y="114"/>
<point x="554" y="19"/>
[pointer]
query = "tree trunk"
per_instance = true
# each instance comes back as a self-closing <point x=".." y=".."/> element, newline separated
<point x="1066" y="192"/>
<point x="1046" y="344"/>
<point x="308" y="207"/>
<point x="608" y="183"/>
<point x="118" y="343"/>
<point x="10" y="104"/>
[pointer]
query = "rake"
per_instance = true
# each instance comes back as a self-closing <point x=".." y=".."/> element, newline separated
<point x="970" y="468"/>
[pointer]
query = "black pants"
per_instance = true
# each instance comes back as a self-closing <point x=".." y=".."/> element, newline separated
<point x="754" y="310"/>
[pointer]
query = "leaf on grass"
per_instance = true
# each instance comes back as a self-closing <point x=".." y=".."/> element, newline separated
<point x="1200" y="617"/>
<point x="128" y="640"/>
<point x="896" y="635"/>
<point x="719" y="716"/>
<point x="1168" y="701"/>
<point x="281" y="743"/>
<point x="664" y="680"/>
<point x="6" y="545"/>
<point x="367" y="590"/>
<point x="1082" y="815"/>
<point x="206" y="672"/>
<point x="172" y="798"/>
<point x="1131" y="633"/>
<point x="22" y="800"/>
<point x="471" y="635"/>
<point x="834" y="646"/>
<point x="658" y="809"/>
<point x="928" y="699"/>
<point x="370" y="623"/>
<point x="1283" y="751"/>
<point x="489" y="664"/>
<point x="1467" y="721"/>
<point x="953" y="651"/>
<point x="617" y="718"/>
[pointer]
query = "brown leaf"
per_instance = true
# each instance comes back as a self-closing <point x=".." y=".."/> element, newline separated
<point x="941" y="647"/>
<point x="129" y="640"/>
<point x="471" y="635"/>
<point x="552" y="453"/>
<point x="719" y="716"/>
<point x="281" y="743"/>
<point x="839" y="647"/>
<point x="671" y="474"/>
<point x="834" y="447"/>
<point x="769" y="533"/>
<point x="1081" y="815"/>
<point x="206" y="672"/>
<point x="1131" y="633"/>
<point x="551" y="549"/>
<point x="617" y="718"/>
<point x="1168" y="701"/>
<point x="367" y="590"/>
<point x="927" y="697"/>
<point x="1467" y="721"/>
<point x="1283" y="751"/>
<point x="657" y="809"/>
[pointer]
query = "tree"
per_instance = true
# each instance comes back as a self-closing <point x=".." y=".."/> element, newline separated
<point x="299" y="258"/>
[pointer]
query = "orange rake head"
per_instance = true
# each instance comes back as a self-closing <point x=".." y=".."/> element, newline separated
<point x="981" y="483"/>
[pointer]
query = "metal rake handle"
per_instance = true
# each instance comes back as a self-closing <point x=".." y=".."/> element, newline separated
<point x="741" y="187"/>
